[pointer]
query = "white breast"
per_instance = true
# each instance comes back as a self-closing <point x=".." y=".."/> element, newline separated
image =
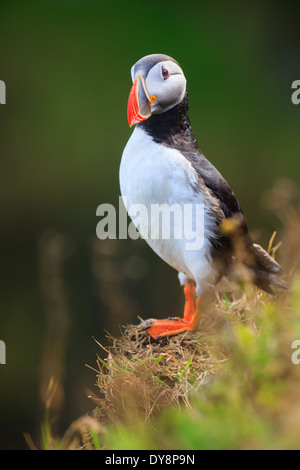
<point x="151" y="173"/>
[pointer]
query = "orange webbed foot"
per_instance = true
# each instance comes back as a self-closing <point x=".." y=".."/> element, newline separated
<point x="173" y="326"/>
<point x="162" y="328"/>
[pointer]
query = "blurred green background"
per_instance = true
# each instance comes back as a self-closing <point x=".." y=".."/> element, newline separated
<point x="66" y="65"/>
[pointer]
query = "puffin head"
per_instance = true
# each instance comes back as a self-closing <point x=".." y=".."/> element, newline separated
<point x="158" y="85"/>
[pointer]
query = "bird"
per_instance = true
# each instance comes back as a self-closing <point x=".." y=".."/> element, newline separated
<point x="162" y="165"/>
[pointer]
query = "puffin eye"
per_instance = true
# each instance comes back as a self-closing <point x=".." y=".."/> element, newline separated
<point x="165" y="73"/>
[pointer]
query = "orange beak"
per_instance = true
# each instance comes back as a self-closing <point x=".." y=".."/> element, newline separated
<point x="139" y="102"/>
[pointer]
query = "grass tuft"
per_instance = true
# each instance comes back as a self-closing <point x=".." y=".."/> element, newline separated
<point x="232" y="388"/>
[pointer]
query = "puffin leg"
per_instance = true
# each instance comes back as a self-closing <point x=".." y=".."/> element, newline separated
<point x="173" y="326"/>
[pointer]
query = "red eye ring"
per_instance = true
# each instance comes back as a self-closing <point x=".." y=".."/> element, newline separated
<point x="165" y="73"/>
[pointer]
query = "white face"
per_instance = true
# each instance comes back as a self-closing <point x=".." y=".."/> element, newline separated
<point x="166" y="82"/>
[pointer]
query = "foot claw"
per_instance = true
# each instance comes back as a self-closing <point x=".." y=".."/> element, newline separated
<point x="148" y="323"/>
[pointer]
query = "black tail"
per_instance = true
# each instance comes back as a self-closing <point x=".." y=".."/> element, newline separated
<point x="267" y="272"/>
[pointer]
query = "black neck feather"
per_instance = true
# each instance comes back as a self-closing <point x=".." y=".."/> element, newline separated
<point x="172" y="128"/>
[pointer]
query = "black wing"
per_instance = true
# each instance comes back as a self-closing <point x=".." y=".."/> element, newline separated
<point x="216" y="184"/>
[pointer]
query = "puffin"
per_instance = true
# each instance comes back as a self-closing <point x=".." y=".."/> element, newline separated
<point x="163" y="166"/>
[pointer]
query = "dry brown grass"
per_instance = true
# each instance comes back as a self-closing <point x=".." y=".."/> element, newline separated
<point x="139" y="376"/>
